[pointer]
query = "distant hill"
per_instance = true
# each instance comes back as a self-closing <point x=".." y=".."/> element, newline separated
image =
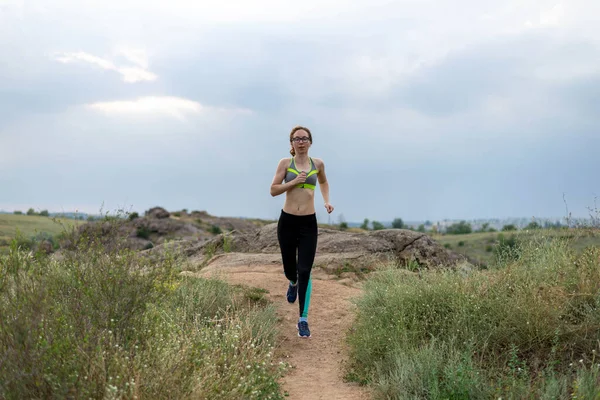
<point x="68" y="214"/>
<point x="72" y="215"/>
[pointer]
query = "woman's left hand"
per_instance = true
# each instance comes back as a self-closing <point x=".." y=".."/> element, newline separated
<point x="328" y="207"/>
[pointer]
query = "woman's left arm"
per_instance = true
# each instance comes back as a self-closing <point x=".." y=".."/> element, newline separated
<point x="324" y="185"/>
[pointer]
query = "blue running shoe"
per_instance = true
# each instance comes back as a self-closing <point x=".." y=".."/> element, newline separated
<point x="303" y="330"/>
<point x="292" y="293"/>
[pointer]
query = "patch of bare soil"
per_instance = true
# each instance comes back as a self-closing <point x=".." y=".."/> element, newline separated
<point x="317" y="362"/>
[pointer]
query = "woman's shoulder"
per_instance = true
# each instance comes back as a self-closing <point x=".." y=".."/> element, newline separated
<point x="318" y="161"/>
<point x="285" y="161"/>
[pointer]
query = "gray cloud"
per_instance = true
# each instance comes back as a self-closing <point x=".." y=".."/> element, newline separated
<point x="415" y="116"/>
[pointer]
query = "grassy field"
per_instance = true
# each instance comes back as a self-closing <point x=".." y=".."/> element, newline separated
<point x="107" y="323"/>
<point x="481" y="246"/>
<point x="526" y="328"/>
<point x="31" y="225"/>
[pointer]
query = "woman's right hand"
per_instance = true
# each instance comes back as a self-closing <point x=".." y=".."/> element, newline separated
<point x="301" y="178"/>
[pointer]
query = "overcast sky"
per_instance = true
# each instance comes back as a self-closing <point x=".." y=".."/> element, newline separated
<point x="420" y="109"/>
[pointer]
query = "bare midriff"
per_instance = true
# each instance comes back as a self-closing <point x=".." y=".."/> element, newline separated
<point x="299" y="201"/>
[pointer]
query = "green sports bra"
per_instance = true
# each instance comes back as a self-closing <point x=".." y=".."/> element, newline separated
<point x="311" y="176"/>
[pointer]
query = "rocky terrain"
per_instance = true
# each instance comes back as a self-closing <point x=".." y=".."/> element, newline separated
<point x="338" y="252"/>
<point x="158" y="226"/>
<point x="206" y="240"/>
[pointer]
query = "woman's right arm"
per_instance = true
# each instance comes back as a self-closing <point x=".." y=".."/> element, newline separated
<point x="277" y="187"/>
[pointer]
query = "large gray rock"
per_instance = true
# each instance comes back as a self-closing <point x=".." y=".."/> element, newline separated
<point x="158" y="212"/>
<point x="334" y="248"/>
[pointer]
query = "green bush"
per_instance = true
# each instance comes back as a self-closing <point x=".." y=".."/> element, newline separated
<point x="507" y="248"/>
<point x="143" y="232"/>
<point x="365" y="224"/>
<point x="133" y="215"/>
<point x="32" y="243"/>
<point x="459" y="228"/>
<point x="102" y="323"/>
<point x="526" y="328"/>
<point x="215" y="230"/>
<point x="377" y="226"/>
<point x="533" y="225"/>
<point x="398" y="223"/>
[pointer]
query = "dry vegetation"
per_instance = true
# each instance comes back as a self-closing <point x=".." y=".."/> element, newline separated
<point x="99" y="319"/>
<point x="98" y="322"/>
<point x="527" y="327"/>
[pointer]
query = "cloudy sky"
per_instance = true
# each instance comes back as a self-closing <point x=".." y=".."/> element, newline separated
<point x="420" y="109"/>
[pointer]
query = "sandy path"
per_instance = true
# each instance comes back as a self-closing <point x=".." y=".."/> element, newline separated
<point x="317" y="362"/>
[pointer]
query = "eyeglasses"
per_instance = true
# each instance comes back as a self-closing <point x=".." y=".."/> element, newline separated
<point x="300" y="139"/>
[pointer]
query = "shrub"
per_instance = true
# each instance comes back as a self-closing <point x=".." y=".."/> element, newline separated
<point x="459" y="228"/>
<point x="526" y="328"/>
<point x="215" y="230"/>
<point x="143" y="232"/>
<point x="507" y="248"/>
<point x="533" y="225"/>
<point x="377" y="225"/>
<point x="133" y="215"/>
<point x="397" y="223"/>
<point x="365" y="224"/>
<point x="109" y="323"/>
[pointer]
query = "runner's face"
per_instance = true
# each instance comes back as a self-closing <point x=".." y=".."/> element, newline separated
<point x="301" y="141"/>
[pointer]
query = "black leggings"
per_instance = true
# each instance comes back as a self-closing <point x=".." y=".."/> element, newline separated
<point x="298" y="232"/>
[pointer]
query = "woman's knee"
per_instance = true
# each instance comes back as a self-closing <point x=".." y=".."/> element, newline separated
<point x="304" y="274"/>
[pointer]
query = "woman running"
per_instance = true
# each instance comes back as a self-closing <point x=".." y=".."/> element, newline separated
<point x="297" y="226"/>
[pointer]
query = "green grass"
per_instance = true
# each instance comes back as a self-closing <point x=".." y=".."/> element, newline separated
<point x="481" y="246"/>
<point x="528" y="327"/>
<point x="32" y="226"/>
<point x="98" y="322"/>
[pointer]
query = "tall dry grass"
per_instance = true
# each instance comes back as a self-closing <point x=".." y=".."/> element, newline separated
<point x="527" y="328"/>
<point x="103" y="322"/>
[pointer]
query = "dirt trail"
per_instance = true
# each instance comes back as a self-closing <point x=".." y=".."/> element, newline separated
<point x="317" y="362"/>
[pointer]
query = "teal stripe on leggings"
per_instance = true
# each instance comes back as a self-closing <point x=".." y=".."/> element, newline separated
<point x="307" y="299"/>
